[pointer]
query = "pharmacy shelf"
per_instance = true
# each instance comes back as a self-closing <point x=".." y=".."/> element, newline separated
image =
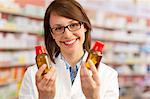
<point x="7" y="83"/>
<point x="120" y="63"/>
<point x="132" y="75"/>
<point x="9" y="89"/>
<point x="16" y="49"/>
<point x="123" y="51"/>
<point x="118" y="18"/>
<point x="18" y="64"/>
<point x="15" y="97"/>
<point x="15" y="65"/>
<point x="129" y="30"/>
<point x="117" y="40"/>
<point x="11" y="30"/>
<point x="17" y="13"/>
<point x="105" y="28"/>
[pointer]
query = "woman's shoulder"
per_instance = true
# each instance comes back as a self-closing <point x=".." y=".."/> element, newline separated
<point x="32" y="69"/>
<point x="105" y="69"/>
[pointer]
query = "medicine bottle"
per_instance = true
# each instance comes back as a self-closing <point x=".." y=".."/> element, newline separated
<point x="42" y="58"/>
<point x="95" y="54"/>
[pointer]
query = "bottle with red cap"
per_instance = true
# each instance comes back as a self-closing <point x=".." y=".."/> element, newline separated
<point x="95" y="54"/>
<point x="42" y="58"/>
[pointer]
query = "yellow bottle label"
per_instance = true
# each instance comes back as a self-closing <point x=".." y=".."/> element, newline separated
<point x="95" y="57"/>
<point x="43" y="59"/>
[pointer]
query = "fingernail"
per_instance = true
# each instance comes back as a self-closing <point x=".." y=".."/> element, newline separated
<point x="44" y="65"/>
<point x="82" y="62"/>
<point x="90" y="62"/>
<point x="84" y="68"/>
<point x="53" y="76"/>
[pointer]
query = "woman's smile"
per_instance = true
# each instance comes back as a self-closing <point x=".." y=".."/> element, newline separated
<point x="69" y="43"/>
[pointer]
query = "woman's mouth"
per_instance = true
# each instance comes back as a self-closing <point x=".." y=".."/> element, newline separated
<point x="70" y="42"/>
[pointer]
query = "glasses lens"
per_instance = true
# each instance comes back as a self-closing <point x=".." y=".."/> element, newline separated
<point x="58" y="30"/>
<point x="71" y="27"/>
<point x="74" y="26"/>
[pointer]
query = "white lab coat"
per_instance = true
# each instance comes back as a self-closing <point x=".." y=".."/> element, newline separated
<point x="64" y="90"/>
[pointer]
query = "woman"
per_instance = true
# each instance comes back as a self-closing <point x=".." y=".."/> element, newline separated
<point x="67" y="39"/>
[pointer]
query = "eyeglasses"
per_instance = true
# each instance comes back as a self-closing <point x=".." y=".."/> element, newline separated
<point x="71" y="27"/>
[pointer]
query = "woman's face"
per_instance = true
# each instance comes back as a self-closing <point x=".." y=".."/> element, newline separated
<point x="69" y="41"/>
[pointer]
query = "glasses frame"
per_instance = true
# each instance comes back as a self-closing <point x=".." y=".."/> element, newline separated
<point x="64" y="27"/>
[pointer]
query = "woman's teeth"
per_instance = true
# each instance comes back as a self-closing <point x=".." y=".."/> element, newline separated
<point x="70" y="42"/>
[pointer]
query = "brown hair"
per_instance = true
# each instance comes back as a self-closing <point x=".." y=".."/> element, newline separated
<point x="69" y="9"/>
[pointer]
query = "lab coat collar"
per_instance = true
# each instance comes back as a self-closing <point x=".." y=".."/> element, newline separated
<point x="59" y="57"/>
<point x="76" y="87"/>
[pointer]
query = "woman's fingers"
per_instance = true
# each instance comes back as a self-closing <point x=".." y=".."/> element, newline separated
<point x="40" y="71"/>
<point x="44" y="79"/>
<point x="46" y="82"/>
<point x="94" y="71"/>
<point x="85" y="75"/>
<point x="51" y="82"/>
<point x="50" y="75"/>
<point x="90" y="80"/>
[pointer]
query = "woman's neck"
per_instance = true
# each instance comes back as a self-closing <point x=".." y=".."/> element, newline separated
<point x="73" y="58"/>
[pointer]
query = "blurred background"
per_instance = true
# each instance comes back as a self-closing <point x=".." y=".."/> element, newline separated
<point x="123" y="25"/>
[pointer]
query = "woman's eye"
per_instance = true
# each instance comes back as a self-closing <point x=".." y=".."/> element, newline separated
<point x="74" y="25"/>
<point x="58" y="28"/>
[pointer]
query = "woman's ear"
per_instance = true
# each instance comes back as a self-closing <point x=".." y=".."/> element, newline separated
<point x="85" y="29"/>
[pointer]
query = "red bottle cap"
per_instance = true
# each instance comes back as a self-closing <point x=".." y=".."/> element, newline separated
<point x="40" y="50"/>
<point x="98" y="46"/>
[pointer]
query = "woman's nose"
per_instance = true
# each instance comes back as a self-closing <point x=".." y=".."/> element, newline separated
<point x="67" y="32"/>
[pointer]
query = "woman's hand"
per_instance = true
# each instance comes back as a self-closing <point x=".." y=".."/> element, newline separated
<point x="46" y="83"/>
<point x="90" y="83"/>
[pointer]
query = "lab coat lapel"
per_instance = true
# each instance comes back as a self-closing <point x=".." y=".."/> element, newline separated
<point x="63" y="79"/>
<point x="76" y="87"/>
<point x="66" y="89"/>
<point x="77" y="83"/>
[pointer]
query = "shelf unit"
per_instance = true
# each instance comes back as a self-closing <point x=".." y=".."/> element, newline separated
<point x="6" y="83"/>
<point x="16" y="66"/>
<point x="17" y="13"/>
<point x="127" y="29"/>
<point x="16" y="49"/>
<point x="20" y="30"/>
<point x="10" y="30"/>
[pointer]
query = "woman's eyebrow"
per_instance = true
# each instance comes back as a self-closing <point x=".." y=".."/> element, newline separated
<point x="72" y="21"/>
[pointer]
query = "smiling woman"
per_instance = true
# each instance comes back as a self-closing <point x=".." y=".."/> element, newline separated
<point x="74" y="12"/>
<point x="69" y="41"/>
<point x="67" y="38"/>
